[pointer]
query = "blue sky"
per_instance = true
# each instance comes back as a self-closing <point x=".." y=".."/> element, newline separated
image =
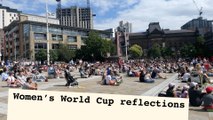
<point x="171" y="14"/>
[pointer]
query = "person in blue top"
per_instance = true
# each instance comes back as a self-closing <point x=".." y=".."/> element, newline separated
<point x="4" y="75"/>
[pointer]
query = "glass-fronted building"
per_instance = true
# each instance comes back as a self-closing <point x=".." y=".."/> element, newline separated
<point x="24" y="38"/>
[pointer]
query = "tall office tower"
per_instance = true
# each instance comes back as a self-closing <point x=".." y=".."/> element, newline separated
<point x="75" y="16"/>
<point x="126" y="27"/>
<point x="7" y="15"/>
<point x="122" y="38"/>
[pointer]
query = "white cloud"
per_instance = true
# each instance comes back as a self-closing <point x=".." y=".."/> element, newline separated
<point x="18" y="5"/>
<point x="171" y="14"/>
<point x="106" y="5"/>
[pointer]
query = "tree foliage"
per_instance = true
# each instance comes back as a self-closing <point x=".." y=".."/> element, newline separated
<point x="200" y="46"/>
<point x="155" y="51"/>
<point x="53" y="55"/>
<point x="64" y="53"/>
<point x="166" y="52"/>
<point x="135" y="51"/>
<point x="95" y="48"/>
<point x="41" y="55"/>
<point x="188" y="50"/>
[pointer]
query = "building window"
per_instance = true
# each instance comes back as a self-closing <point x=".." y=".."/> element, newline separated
<point x="39" y="29"/>
<point x="57" y="37"/>
<point x="40" y="46"/>
<point x="55" y="46"/>
<point x="40" y="36"/>
<point x="71" y="39"/>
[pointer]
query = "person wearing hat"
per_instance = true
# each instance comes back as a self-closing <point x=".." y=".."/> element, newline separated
<point x="195" y="95"/>
<point x="208" y="99"/>
<point x="170" y="92"/>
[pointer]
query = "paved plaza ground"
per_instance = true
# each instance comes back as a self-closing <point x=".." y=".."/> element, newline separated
<point x="130" y="86"/>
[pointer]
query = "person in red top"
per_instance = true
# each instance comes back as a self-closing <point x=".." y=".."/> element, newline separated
<point x="120" y="63"/>
<point x="208" y="99"/>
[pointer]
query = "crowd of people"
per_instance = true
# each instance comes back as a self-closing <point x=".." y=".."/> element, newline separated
<point x="195" y="73"/>
<point x="198" y="83"/>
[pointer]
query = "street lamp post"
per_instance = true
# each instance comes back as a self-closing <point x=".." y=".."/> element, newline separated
<point x="14" y="39"/>
<point x="48" y="50"/>
<point x="126" y="45"/>
<point x="15" y="49"/>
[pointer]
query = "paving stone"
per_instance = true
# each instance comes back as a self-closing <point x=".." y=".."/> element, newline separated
<point x="130" y="86"/>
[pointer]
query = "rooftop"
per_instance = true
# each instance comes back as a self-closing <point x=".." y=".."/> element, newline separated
<point x="177" y="31"/>
<point x="9" y="9"/>
<point x="14" y="23"/>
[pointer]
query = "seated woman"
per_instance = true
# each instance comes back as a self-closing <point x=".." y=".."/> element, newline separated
<point x="145" y="77"/>
<point x="210" y="72"/>
<point x="183" y="93"/>
<point x="111" y="79"/>
<point x="186" y="76"/>
<point x="83" y="74"/>
<point x="30" y="85"/>
<point x="170" y="92"/>
<point x="208" y="99"/>
<point x="11" y="80"/>
<point x="200" y="77"/>
<point x="130" y="72"/>
<point x="117" y="78"/>
<point x="156" y="74"/>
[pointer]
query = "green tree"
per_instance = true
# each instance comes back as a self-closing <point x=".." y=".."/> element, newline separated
<point x="41" y="55"/>
<point x="135" y="51"/>
<point x="200" y="46"/>
<point x="155" y="51"/>
<point x="95" y="48"/>
<point x="166" y="52"/>
<point x="188" y="50"/>
<point x="107" y="47"/>
<point x="53" y="55"/>
<point x="65" y="54"/>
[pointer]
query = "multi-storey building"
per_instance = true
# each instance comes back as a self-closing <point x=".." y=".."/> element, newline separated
<point x="202" y="25"/>
<point x="7" y="15"/>
<point x="76" y="17"/>
<point x="25" y="37"/>
<point x="205" y="29"/>
<point x="173" y="39"/>
<point x="127" y="27"/>
<point x="37" y="18"/>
